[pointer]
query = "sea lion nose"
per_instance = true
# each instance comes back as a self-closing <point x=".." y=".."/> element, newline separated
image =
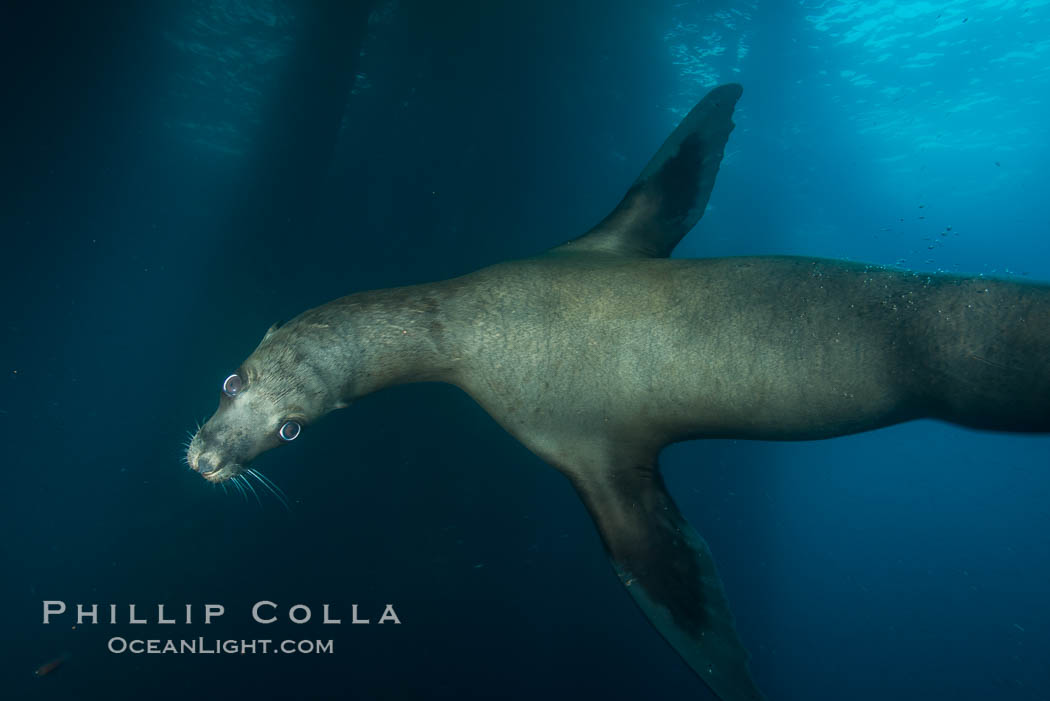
<point x="207" y="464"/>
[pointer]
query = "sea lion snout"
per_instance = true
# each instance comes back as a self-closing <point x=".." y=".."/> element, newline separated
<point x="212" y="465"/>
<point x="217" y="451"/>
<point x="203" y="460"/>
<point x="220" y="452"/>
<point x="214" y="454"/>
<point x="207" y="464"/>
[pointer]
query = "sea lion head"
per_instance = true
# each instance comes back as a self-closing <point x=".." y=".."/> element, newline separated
<point x="282" y="387"/>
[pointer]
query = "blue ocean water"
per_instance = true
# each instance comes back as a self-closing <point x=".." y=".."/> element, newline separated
<point x="180" y="176"/>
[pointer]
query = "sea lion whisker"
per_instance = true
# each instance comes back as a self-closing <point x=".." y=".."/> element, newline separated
<point x="274" y="489"/>
<point x="224" y="490"/>
<point x="267" y="481"/>
<point x="250" y="488"/>
<point x="240" y="489"/>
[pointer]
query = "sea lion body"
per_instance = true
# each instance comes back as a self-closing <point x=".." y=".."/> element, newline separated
<point x="602" y="351"/>
<point x="645" y="353"/>
<point x="653" y="351"/>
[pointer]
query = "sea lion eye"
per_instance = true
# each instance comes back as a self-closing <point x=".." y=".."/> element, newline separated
<point x="290" y="431"/>
<point x="232" y="385"/>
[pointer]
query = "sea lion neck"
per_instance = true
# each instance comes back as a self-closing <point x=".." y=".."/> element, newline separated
<point x="381" y="338"/>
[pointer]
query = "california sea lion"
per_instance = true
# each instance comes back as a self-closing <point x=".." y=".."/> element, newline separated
<point x="600" y="352"/>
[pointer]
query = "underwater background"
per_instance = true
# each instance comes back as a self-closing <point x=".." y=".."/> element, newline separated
<point x="178" y="176"/>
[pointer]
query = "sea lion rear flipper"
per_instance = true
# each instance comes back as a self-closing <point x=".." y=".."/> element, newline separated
<point x="668" y="570"/>
<point x="670" y="195"/>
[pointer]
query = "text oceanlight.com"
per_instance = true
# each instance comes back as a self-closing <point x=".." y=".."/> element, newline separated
<point x="206" y="646"/>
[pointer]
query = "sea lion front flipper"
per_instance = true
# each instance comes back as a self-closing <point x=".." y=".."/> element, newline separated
<point x="668" y="570"/>
<point x="670" y="195"/>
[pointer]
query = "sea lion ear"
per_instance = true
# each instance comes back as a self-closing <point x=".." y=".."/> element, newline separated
<point x="269" y="331"/>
